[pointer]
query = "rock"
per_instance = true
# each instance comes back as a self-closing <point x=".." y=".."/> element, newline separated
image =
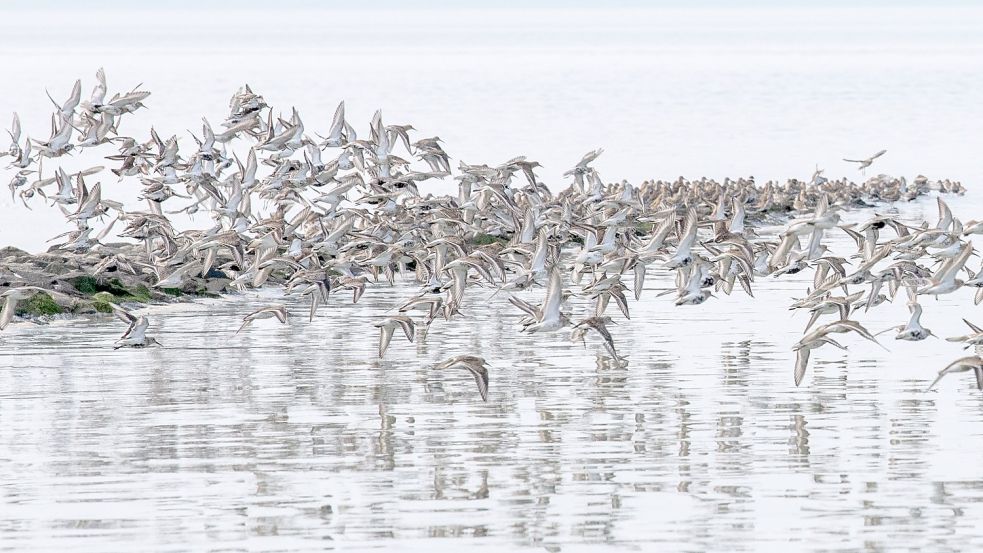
<point x="39" y="304"/>
<point x="103" y="297"/>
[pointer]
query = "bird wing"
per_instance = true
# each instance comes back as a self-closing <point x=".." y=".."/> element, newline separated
<point x="7" y="314"/>
<point x="137" y="330"/>
<point x="522" y="304"/>
<point x="950" y="268"/>
<point x="975" y="328"/>
<point x="778" y="257"/>
<point x="822" y="205"/>
<point x="281" y="313"/>
<point x="481" y="379"/>
<point x="554" y="295"/>
<point x="639" y="284"/>
<point x="406" y="324"/>
<point x="123" y="314"/>
<point x="689" y="232"/>
<point x="942" y="373"/>
<point x="385" y="336"/>
<point x="801" y="362"/>
<point x="945" y="214"/>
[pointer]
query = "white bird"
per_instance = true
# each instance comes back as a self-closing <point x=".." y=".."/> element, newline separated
<point x="683" y="255"/>
<point x="944" y="280"/>
<point x="549" y="318"/>
<point x="913" y="331"/>
<point x="136" y="335"/>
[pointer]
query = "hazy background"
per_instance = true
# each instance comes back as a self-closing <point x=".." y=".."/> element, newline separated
<point x="681" y="89"/>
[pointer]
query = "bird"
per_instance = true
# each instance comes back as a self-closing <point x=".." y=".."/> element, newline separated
<point x="260" y="199"/>
<point x="475" y="365"/>
<point x="599" y="325"/>
<point x="387" y="327"/>
<point x="279" y="311"/>
<point x="548" y="317"/>
<point x="802" y="351"/>
<point x="944" y="280"/>
<point x="913" y="331"/>
<point x="136" y="333"/>
<point x="865" y="163"/>
<point x="964" y="364"/>
<point x="975" y="338"/>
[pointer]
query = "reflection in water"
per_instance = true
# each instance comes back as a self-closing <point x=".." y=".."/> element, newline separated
<point x="300" y="434"/>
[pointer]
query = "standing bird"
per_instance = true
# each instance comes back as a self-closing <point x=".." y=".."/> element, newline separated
<point x="474" y="365"/>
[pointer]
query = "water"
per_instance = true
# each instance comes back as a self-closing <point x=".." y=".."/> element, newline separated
<point x="297" y="438"/>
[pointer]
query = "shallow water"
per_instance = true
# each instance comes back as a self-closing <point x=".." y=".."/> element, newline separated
<point x="297" y="438"/>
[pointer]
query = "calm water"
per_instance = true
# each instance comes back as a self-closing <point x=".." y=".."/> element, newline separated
<point x="297" y="438"/>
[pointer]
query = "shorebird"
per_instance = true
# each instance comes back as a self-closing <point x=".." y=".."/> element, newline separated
<point x="973" y="339"/>
<point x="388" y="326"/>
<point x="311" y="217"/>
<point x="820" y="337"/>
<point x="803" y="349"/>
<point x="913" y="331"/>
<point x="965" y="364"/>
<point x="683" y="255"/>
<point x="278" y="311"/>
<point x="475" y="365"/>
<point x="944" y="280"/>
<point x="548" y="317"/>
<point x="598" y="325"/>
<point x="865" y="163"/>
<point x="136" y="334"/>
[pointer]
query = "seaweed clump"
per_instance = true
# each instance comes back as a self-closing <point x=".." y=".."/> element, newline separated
<point x="39" y="304"/>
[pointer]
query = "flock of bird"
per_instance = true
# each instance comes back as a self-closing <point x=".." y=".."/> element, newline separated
<point x="341" y="212"/>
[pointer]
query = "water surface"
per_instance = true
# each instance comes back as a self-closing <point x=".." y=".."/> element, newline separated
<point x="298" y="438"/>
